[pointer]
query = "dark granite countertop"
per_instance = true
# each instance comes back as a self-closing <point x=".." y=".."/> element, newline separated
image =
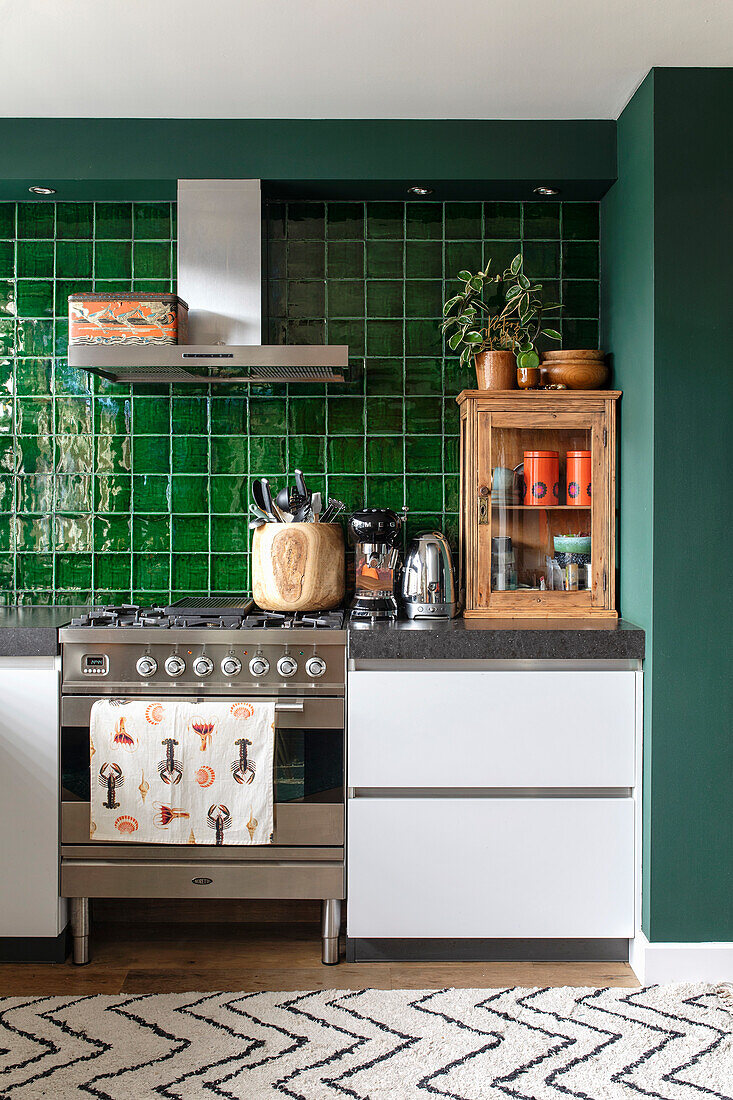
<point x="32" y="631"/>
<point x="497" y="639"/>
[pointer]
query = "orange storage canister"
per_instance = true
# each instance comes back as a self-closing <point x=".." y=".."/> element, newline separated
<point x="579" y="478"/>
<point x="541" y="478"/>
<point x="127" y="318"/>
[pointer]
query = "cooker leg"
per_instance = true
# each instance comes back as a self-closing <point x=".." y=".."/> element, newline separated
<point x="79" y="915"/>
<point x="330" y="928"/>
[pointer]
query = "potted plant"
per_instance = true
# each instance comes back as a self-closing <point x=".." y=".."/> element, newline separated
<point x="498" y="337"/>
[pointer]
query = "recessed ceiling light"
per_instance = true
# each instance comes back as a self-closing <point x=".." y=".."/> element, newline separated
<point x="421" y="192"/>
<point x="42" y="190"/>
<point x="545" y="190"/>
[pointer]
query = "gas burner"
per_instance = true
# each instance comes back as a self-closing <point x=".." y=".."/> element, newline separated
<point x="206" y="622"/>
<point x="293" y="620"/>
<point x="259" y="618"/>
<point x="123" y="615"/>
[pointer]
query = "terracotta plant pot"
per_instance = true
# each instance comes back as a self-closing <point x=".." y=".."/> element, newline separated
<point x="528" y="378"/>
<point x="496" y="370"/>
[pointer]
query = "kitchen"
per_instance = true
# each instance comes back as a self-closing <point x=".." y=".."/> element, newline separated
<point x="462" y="801"/>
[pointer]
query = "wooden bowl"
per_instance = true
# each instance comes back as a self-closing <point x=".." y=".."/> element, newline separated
<point x="576" y="374"/>
<point x="570" y="353"/>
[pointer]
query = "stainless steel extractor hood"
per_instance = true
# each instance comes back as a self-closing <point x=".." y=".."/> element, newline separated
<point x="220" y="276"/>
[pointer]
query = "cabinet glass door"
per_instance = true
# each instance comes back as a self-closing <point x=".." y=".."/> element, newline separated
<point x="541" y="512"/>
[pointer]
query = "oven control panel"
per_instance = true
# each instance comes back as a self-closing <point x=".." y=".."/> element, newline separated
<point x="95" y="664"/>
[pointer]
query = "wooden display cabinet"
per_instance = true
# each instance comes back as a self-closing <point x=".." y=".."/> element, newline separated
<point x="506" y="537"/>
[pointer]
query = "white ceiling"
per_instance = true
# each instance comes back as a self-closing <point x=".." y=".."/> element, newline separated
<point x="347" y="58"/>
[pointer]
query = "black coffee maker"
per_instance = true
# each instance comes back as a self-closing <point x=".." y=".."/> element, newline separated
<point x="373" y="534"/>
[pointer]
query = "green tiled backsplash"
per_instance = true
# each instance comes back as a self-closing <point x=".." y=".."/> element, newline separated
<point x="112" y="492"/>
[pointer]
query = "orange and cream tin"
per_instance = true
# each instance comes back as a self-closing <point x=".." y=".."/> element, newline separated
<point x="541" y="478"/>
<point x="127" y="318"/>
<point x="579" y="478"/>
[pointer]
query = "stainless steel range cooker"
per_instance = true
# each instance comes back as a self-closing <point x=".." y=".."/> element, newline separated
<point x="212" y="648"/>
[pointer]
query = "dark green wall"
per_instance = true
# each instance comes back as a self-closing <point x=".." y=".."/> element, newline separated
<point x="678" y="411"/>
<point x="141" y="158"/>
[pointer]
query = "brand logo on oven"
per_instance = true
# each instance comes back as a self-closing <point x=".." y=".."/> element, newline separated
<point x="202" y="881"/>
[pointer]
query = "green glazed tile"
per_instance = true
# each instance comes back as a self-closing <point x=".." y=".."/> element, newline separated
<point x="150" y="416"/>
<point x="112" y="493"/>
<point x="345" y="454"/>
<point x="463" y="254"/>
<point x="307" y="453"/>
<point x="424" y="221"/>
<point x="34" y="493"/>
<point x="190" y="454"/>
<point x="34" y="570"/>
<point x="349" y="488"/>
<point x="306" y="416"/>
<point x="385" y="219"/>
<point x="112" y="571"/>
<point x="8" y="454"/>
<point x="7" y="220"/>
<point x="7" y="579"/>
<point x="152" y="492"/>
<point x="580" y="260"/>
<point x="542" y="259"/>
<point x="113" y="454"/>
<point x="230" y="534"/>
<point x="230" y="573"/>
<point x="190" y="571"/>
<point x="423" y="415"/>
<point x="463" y="221"/>
<point x="384" y="259"/>
<point x="384" y="414"/>
<point x="423" y="454"/>
<point x="151" y="220"/>
<point x="345" y="221"/>
<point x="276" y="259"/>
<point x="306" y="221"/>
<point x="74" y="220"/>
<point x="74" y="454"/>
<point x="71" y="381"/>
<point x="267" y="455"/>
<point x="579" y="334"/>
<point x="451" y="414"/>
<point x="34" y="416"/>
<point x="151" y="454"/>
<point x="7" y="337"/>
<point x="35" y="454"/>
<point x="345" y="416"/>
<point x="33" y="533"/>
<point x="580" y="221"/>
<point x="66" y="287"/>
<point x="425" y="494"/>
<point x="385" y="492"/>
<point x="424" y="376"/>
<point x="306" y="259"/>
<point x="580" y="298"/>
<point x="112" y="415"/>
<point x="346" y="260"/>
<point x="112" y="260"/>
<point x="113" y="220"/>
<point x="35" y="297"/>
<point x="452" y="490"/>
<point x="351" y="333"/>
<point x="384" y="338"/>
<point x="423" y="338"/>
<point x="7" y="298"/>
<point x="150" y="532"/>
<point x="230" y="494"/>
<point x="384" y="455"/>
<point x="74" y="259"/>
<point x="384" y="376"/>
<point x="6" y="416"/>
<point x="541" y="219"/>
<point x="229" y="455"/>
<point x="36" y="219"/>
<point x="385" y="298"/>
<point x="152" y="259"/>
<point x="7" y="492"/>
<point x="34" y="376"/>
<point x="73" y="572"/>
<point x="73" y="493"/>
<point x="150" y="572"/>
<point x="229" y="416"/>
<point x="306" y="332"/>
<point x="275" y="220"/>
<point x="307" y="298"/>
<point x="267" y="416"/>
<point x="345" y="298"/>
<point x="7" y="260"/>
<point x="423" y="259"/>
<point x="35" y="259"/>
<point x="502" y="219"/>
<point x="190" y="493"/>
<point x="73" y="533"/>
<point x="500" y="253"/>
<point x="112" y="533"/>
<point x="190" y="534"/>
<point x="424" y="298"/>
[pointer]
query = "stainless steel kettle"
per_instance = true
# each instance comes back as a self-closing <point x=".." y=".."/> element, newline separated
<point x="428" y="586"/>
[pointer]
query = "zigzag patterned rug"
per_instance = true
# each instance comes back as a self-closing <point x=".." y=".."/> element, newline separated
<point x="673" y="1042"/>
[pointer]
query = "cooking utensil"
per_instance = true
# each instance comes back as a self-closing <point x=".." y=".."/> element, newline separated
<point x="258" y="492"/>
<point x="300" y="484"/>
<point x="287" y="499"/>
<point x="259" y="514"/>
<point x="335" y="507"/>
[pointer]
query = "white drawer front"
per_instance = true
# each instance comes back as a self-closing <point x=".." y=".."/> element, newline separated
<point x="491" y="729"/>
<point x="490" y="868"/>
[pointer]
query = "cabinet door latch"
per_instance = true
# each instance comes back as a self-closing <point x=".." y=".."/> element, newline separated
<point x="605" y="437"/>
<point x="605" y="579"/>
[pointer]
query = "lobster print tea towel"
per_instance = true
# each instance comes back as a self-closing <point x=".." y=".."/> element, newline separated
<point x="182" y="773"/>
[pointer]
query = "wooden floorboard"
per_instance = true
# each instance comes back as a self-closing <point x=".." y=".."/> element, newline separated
<point x="252" y="957"/>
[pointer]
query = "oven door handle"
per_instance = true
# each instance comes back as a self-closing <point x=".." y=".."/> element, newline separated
<point x="280" y="707"/>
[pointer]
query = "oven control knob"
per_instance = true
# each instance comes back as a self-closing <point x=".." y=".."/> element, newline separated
<point x="231" y="665"/>
<point x="315" y="666"/>
<point x="259" y="666"/>
<point x="287" y="666"/>
<point x="175" y="665"/>
<point x="146" y="666"/>
<point x="203" y="666"/>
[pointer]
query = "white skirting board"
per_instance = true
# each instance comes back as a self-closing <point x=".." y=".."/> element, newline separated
<point x="656" y="963"/>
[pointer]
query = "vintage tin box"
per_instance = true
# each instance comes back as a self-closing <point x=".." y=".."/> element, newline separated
<point x="127" y="318"/>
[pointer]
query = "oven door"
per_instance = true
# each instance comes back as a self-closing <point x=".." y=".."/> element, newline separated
<point x="309" y="783"/>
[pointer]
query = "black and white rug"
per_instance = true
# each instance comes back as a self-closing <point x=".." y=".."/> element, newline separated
<point x="674" y="1042"/>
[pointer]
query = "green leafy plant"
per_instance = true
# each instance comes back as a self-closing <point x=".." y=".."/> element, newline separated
<point x="512" y="325"/>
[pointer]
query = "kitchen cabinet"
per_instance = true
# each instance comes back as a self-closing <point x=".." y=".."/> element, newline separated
<point x="537" y="520"/>
<point x="29" y="814"/>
